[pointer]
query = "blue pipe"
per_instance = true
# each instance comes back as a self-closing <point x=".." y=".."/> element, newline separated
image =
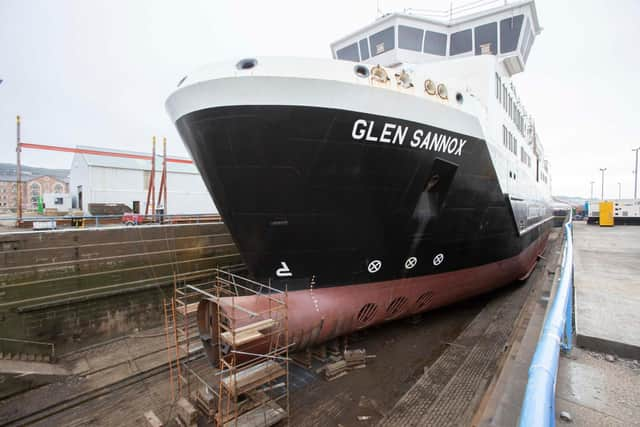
<point x="538" y="406"/>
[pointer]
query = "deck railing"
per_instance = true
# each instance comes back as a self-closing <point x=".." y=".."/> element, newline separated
<point x="538" y="406"/>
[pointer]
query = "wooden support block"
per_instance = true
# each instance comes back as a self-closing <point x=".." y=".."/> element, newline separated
<point x="335" y="370"/>
<point x="355" y="357"/>
<point x="333" y="347"/>
<point x="341" y="374"/>
<point x="207" y="403"/>
<point x="187" y="412"/>
<point x="152" y="419"/>
<point x="320" y="353"/>
<point x="303" y="359"/>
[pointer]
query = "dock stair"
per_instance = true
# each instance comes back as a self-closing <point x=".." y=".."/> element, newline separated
<point x="29" y="358"/>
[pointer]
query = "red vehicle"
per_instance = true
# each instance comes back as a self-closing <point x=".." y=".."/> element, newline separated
<point x="132" y="218"/>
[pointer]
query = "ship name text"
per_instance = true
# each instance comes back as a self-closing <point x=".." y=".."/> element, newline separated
<point x="391" y="133"/>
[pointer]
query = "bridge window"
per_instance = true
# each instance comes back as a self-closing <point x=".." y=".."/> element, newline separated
<point x="510" y="33"/>
<point x="527" y="41"/>
<point x="435" y="43"/>
<point x="382" y="41"/>
<point x="349" y="53"/>
<point x="410" y="38"/>
<point x="460" y="42"/>
<point x="364" y="49"/>
<point x="486" y="39"/>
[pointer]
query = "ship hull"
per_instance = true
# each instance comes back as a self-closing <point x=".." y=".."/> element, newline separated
<point x="310" y="204"/>
<point x="359" y="228"/>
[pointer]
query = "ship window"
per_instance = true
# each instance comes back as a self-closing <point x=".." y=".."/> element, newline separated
<point x="527" y="41"/>
<point x="486" y="39"/>
<point x="504" y="96"/>
<point x="364" y="49"/>
<point x="409" y="38"/>
<point x="498" y="89"/>
<point x="382" y="41"/>
<point x="349" y="53"/>
<point x="460" y="42"/>
<point x="504" y="137"/>
<point x="435" y="43"/>
<point x="510" y="33"/>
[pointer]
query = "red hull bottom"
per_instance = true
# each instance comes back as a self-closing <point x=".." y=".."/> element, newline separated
<point x="318" y="315"/>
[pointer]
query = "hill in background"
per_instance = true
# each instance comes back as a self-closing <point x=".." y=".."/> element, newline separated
<point x="10" y="170"/>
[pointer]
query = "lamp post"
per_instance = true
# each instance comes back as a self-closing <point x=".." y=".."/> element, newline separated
<point x="619" y="191"/>
<point x="602" y="189"/>
<point x="592" y="182"/>
<point x="635" y="176"/>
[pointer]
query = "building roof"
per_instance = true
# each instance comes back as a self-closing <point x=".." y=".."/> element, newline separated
<point x="134" y="164"/>
<point x="26" y="177"/>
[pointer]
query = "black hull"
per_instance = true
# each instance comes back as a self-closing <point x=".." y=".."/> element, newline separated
<point x="294" y="186"/>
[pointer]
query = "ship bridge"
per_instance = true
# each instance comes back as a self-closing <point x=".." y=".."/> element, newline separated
<point x="507" y="31"/>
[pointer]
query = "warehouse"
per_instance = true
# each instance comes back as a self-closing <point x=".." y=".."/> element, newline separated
<point x="96" y="178"/>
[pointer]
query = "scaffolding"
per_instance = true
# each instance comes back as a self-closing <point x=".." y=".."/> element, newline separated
<point x="246" y="380"/>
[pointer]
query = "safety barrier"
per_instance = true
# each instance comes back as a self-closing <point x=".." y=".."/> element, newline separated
<point x="63" y="221"/>
<point x="538" y="406"/>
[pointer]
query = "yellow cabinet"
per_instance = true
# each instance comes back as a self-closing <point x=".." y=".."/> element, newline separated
<point x="606" y="214"/>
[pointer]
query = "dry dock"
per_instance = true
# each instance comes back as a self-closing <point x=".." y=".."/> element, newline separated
<point x="434" y="370"/>
<point x="464" y="364"/>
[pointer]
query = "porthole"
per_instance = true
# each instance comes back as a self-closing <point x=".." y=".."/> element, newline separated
<point x="459" y="98"/>
<point x="430" y="87"/>
<point x="361" y="71"/>
<point x="246" y="64"/>
<point x="367" y="312"/>
<point x="442" y="91"/>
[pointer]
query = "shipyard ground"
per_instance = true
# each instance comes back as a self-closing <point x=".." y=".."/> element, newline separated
<point x="460" y="365"/>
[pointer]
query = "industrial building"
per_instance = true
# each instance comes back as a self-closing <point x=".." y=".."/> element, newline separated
<point x="96" y="178"/>
<point x="50" y="185"/>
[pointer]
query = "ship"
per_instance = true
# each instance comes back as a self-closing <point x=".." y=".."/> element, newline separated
<point x="399" y="176"/>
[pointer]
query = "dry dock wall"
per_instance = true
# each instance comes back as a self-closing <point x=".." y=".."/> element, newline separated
<point x="77" y="287"/>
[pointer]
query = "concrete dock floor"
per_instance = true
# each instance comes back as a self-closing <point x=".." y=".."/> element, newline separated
<point x="607" y="288"/>
<point x="596" y="392"/>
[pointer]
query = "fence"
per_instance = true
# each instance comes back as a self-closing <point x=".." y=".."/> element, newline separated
<point x="64" y="221"/>
<point x="538" y="406"/>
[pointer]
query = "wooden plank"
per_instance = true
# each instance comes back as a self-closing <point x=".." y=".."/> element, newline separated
<point x="252" y="377"/>
<point x="257" y="326"/>
<point x="189" y="308"/>
<point x="240" y="338"/>
<point x="247" y="333"/>
<point x="262" y="416"/>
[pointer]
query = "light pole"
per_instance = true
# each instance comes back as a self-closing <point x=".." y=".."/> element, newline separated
<point x="602" y="190"/>
<point x="592" y="182"/>
<point x="635" y="176"/>
<point x="619" y="191"/>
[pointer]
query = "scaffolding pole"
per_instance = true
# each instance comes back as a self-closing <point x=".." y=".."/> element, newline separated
<point x="18" y="171"/>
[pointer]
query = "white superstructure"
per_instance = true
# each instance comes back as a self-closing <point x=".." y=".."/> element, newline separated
<point x="475" y="55"/>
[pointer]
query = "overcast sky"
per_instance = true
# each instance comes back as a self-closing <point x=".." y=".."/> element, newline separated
<point x="98" y="72"/>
